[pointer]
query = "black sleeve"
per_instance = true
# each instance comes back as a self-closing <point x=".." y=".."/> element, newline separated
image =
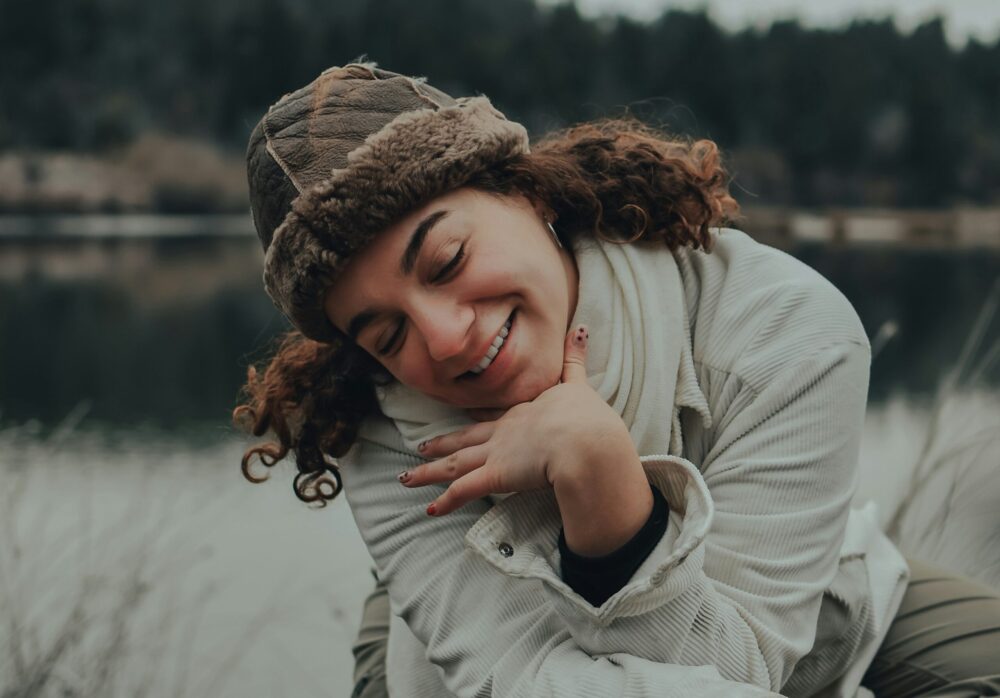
<point x="597" y="578"/>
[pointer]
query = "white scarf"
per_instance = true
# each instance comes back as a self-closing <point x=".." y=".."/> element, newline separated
<point x="638" y="356"/>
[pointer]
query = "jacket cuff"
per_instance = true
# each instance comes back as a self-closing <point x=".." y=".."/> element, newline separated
<point x="597" y="578"/>
<point x="519" y="537"/>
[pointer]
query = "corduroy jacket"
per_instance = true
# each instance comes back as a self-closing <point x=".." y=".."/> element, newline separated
<point x="781" y="359"/>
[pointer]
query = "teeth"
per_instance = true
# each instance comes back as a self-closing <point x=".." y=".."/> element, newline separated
<point x="493" y="350"/>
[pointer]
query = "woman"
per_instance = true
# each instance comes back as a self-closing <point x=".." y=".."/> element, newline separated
<point x="677" y="409"/>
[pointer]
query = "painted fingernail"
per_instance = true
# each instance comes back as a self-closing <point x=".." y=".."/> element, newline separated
<point x="404" y="476"/>
<point x="432" y="509"/>
<point x="580" y="336"/>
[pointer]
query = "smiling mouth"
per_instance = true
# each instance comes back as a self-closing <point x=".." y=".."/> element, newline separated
<point x="469" y="375"/>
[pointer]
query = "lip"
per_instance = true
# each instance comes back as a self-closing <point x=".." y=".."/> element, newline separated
<point x="500" y="361"/>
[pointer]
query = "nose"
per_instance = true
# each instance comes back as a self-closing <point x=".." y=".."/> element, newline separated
<point x="444" y="324"/>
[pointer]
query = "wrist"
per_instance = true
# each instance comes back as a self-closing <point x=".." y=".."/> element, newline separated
<point x="603" y="504"/>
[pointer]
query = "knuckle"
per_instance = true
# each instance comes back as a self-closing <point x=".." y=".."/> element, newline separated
<point x="498" y="481"/>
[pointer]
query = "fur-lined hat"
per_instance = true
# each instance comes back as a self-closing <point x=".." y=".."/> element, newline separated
<point x="335" y="162"/>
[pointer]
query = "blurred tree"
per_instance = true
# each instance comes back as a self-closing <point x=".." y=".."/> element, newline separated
<point x="860" y="115"/>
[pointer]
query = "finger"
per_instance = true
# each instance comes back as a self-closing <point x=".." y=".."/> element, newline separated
<point x="475" y="485"/>
<point x="471" y="435"/>
<point x="445" y="469"/>
<point x="575" y="355"/>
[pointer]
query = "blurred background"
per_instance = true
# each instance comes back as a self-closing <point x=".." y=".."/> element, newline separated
<point x="863" y="138"/>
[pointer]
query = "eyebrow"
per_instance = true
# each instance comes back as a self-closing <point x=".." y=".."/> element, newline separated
<point x="406" y="264"/>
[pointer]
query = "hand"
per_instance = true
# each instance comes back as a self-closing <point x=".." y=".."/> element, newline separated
<point x="530" y="446"/>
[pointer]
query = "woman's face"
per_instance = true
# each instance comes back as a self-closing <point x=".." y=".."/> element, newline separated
<point x="429" y="311"/>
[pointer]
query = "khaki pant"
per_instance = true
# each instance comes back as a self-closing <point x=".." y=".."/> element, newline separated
<point x="944" y="641"/>
<point x="371" y="645"/>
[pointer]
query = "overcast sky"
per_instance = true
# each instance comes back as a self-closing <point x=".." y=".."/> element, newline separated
<point x="964" y="18"/>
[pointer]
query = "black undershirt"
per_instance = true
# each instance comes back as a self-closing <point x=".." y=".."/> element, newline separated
<point x="597" y="578"/>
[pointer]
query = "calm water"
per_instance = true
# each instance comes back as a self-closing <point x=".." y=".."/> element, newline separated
<point x="160" y="328"/>
<point x="139" y="564"/>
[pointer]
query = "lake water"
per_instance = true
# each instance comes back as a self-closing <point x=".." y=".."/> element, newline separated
<point x="136" y="563"/>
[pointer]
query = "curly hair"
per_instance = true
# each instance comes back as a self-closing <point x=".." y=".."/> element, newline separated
<point x="617" y="179"/>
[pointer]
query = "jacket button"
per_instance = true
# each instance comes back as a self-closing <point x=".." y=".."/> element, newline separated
<point x="505" y="549"/>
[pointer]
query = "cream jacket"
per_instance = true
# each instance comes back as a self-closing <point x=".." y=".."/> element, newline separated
<point x="764" y="582"/>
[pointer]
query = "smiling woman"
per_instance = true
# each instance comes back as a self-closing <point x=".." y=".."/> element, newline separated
<point x="595" y="444"/>
<point x="431" y="295"/>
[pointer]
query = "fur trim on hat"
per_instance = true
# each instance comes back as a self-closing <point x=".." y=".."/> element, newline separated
<point x="417" y="156"/>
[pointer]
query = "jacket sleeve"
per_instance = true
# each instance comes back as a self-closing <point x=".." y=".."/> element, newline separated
<point x="739" y="583"/>
<point x="492" y="634"/>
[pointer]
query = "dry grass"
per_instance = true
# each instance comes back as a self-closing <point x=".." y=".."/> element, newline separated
<point x="72" y="637"/>
<point x="948" y="515"/>
<point x="102" y="593"/>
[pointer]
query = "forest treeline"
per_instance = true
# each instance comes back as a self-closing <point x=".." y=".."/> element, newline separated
<point x="861" y="115"/>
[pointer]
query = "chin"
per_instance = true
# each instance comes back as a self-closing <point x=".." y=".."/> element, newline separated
<point x="526" y="390"/>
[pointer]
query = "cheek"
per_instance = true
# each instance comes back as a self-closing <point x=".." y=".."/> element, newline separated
<point x="416" y="372"/>
<point x="406" y="372"/>
<point x="493" y="275"/>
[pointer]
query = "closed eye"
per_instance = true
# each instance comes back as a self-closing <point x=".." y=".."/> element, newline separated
<point x="383" y="351"/>
<point x="450" y="265"/>
<point x="439" y="276"/>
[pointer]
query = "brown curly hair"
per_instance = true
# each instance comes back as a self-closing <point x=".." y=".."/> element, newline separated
<point x="617" y="179"/>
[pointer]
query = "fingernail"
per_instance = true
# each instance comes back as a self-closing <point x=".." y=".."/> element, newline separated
<point x="580" y="336"/>
<point x="432" y="509"/>
<point x="422" y="446"/>
<point x="403" y="476"/>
